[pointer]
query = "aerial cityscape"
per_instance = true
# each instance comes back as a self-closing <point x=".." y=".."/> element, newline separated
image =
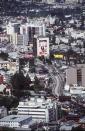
<point x="42" y="65"/>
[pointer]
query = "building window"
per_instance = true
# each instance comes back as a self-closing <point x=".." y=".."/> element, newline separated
<point x="79" y="77"/>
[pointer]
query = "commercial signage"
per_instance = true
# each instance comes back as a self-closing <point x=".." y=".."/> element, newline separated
<point x="58" y="56"/>
<point x="43" y="47"/>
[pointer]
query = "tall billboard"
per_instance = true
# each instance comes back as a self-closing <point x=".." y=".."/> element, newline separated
<point x="43" y="46"/>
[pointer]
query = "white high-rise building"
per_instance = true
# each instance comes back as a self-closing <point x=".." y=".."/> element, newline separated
<point x="39" y="108"/>
<point x="32" y="29"/>
<point x="12" y="30"/>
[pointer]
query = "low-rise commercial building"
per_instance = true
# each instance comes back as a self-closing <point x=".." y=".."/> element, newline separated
<point x="67" y="126"/>
<point x="16" y="121"/>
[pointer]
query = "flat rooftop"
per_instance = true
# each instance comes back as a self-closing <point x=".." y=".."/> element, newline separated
<point x="15" y="118"/>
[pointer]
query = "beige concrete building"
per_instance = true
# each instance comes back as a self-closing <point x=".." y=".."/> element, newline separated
<point x="76" y="75"/>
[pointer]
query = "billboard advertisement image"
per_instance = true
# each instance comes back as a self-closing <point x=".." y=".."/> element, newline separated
<point x="43" y="47"/>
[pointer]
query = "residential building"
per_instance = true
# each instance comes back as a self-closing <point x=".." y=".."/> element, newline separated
<point x="39" y="108"/>
<point x="2" y="88"/>
<point x="68" y="125"/>
<point x="8" y="65"/>
<point x="45" y="1"/>
<point x="4" y="37"/>
<point x="49" y="1"/>
<point x="82" y="121"/>
<point x="71" y="1"/>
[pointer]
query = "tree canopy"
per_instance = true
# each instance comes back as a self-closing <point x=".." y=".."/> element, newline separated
<point x="37" y="85"/>
<point x="4" y="55"/>
<point x="6" y="129"/>
<point x="20" y="82"/>
<point x="77" y="129"/>
<point x="8" y="102"/>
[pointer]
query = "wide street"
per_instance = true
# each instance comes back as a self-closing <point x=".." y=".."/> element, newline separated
<point x="57" y="77"/>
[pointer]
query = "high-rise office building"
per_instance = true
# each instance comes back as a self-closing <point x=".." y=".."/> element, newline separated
<point x="12" y="30"/>
<point x="32" y="29"/>
<point x="18" y="39"/>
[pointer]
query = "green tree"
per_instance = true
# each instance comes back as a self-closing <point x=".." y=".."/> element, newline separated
<point x="8" y="102"/>
<point x="4" y="55"/>
<point x="37" y="85"/>
<point x="36" y="81"/>
<point x="28" y="80"/>
<point x="20" y="82"/>
<point x="77" y="129"/>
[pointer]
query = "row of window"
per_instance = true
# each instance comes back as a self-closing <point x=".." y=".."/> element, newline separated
<point x="31" y="114"/>
<point x="35" y="110"/>
<point x="9" y="124"/>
